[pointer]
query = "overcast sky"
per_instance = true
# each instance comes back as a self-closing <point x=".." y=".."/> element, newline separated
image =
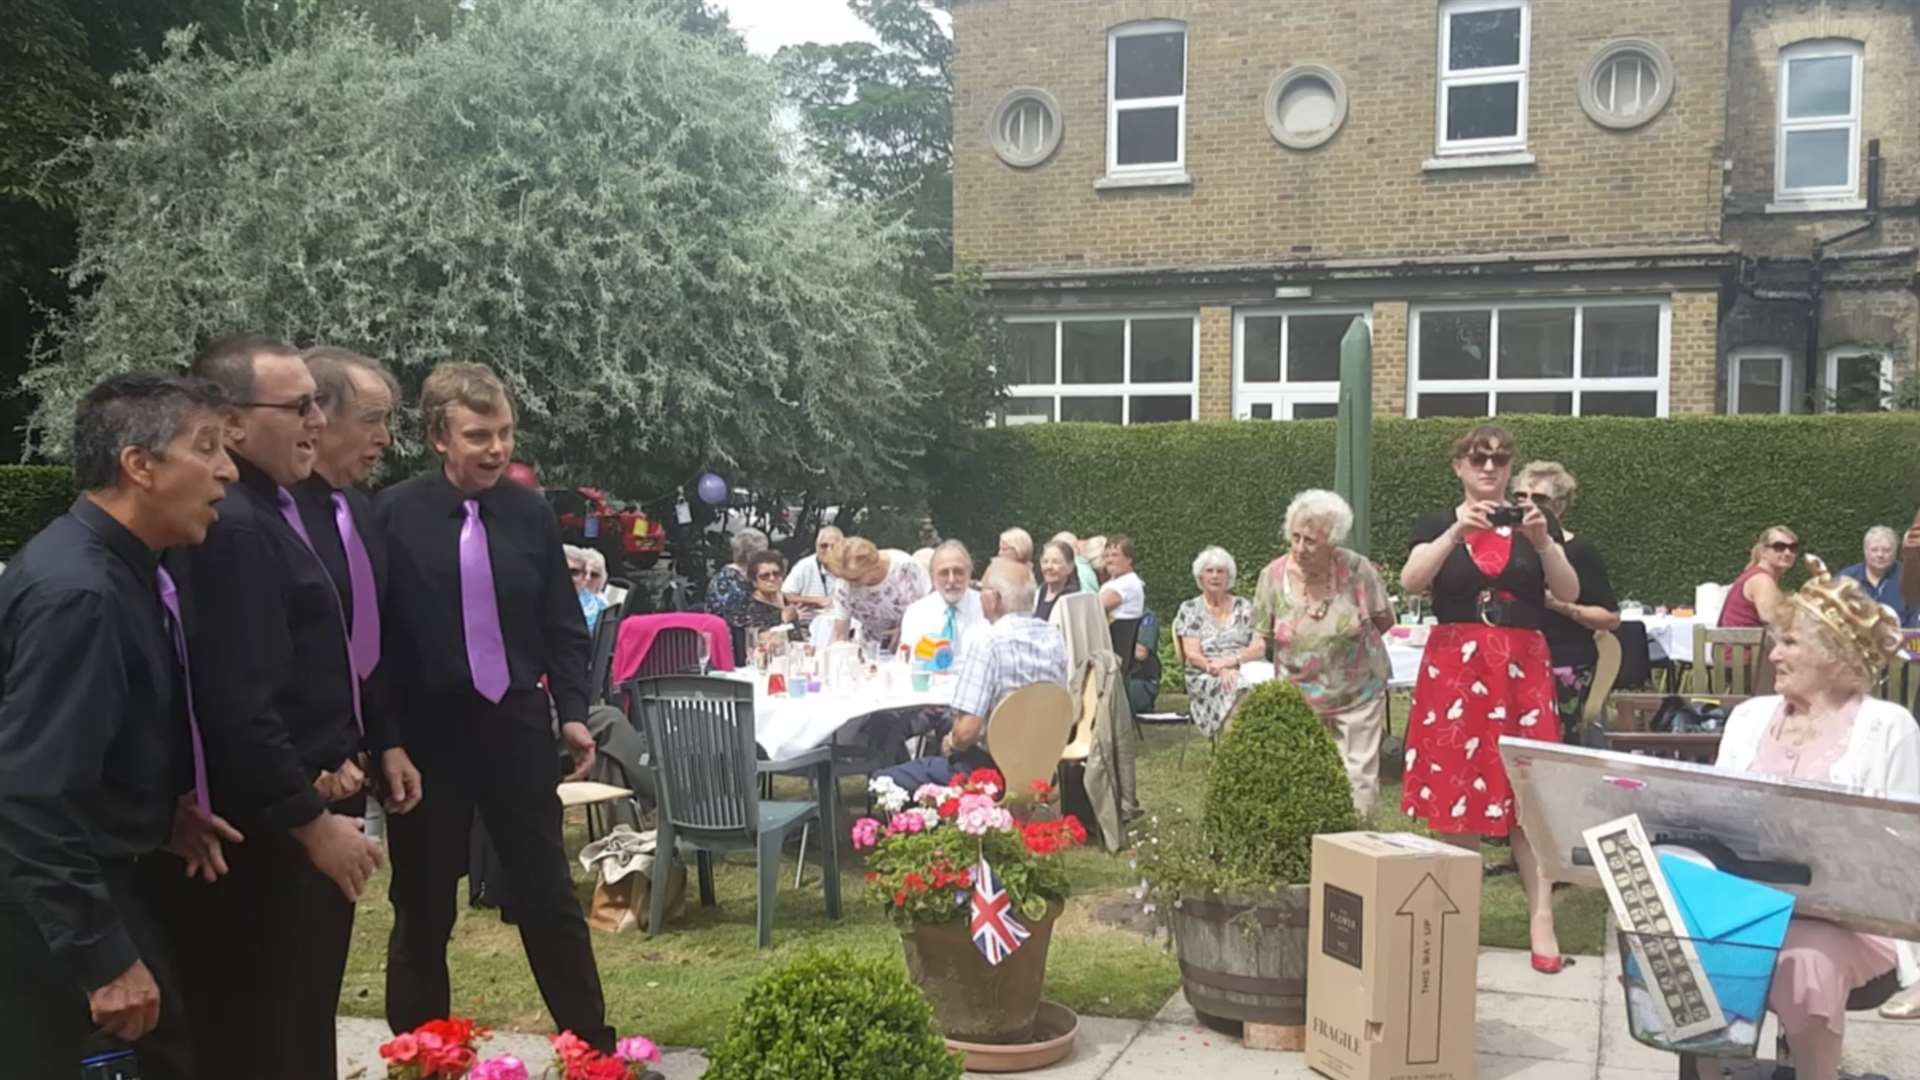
<point x="769" y="24"/>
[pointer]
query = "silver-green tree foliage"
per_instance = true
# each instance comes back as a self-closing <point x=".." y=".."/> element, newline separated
<point x="579" y="193"/>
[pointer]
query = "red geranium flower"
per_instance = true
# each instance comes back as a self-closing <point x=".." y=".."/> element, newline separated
<point x="949" y="808"/>
<point x="983" y="777"/>
<point x="401" y="1048"/>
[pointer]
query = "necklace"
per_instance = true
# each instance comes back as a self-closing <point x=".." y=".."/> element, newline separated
<point x="1316" y="611"/>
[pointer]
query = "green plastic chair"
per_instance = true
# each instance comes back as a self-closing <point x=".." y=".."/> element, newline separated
<point x="703" y="754"/>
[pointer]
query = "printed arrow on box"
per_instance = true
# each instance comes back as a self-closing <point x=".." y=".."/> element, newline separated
<point x="1426" y="910"/>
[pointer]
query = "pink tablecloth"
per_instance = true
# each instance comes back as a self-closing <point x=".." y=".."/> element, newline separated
<point x="637" y="633"/>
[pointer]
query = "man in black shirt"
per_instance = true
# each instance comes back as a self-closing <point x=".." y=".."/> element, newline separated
<point x="480" y="609"/>
<point x="96" y="744"/>
<point x="360" y="395"/>
<point x="262" y="951"/>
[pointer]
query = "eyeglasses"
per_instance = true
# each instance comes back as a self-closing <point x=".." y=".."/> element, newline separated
<point x="1538" y="498"/>
<point x="299" y="406"/>
<point x="1785" y="545"/>
<point x="771" y="575"/>
<point x="1481" y="459"/>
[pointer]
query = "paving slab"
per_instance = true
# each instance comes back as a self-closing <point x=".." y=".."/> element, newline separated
<point x="1174" y="1050"/>
<point x="1100" y="1043"/>
<point x="1510" y="971"/>
<point x="1503" y="1067"/>
<point x="1524" y="1026"/>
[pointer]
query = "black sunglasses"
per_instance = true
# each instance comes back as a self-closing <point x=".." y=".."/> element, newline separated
<point x="300" y="406"/>
<point x="1785" y="545"/>
<point x="771" y="575"/>
<point x="1481" y="459"/>
<point x="1539" y="499"/>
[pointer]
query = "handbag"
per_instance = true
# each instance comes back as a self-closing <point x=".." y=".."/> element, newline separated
<point x="1678" y="715"/>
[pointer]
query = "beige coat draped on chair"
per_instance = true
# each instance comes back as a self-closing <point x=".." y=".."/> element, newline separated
<point x="1114" y="742"/>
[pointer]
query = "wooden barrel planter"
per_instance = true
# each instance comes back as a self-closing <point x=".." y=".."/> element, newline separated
<point x="1243" y="956"/>
<point x="974" y="1001"/>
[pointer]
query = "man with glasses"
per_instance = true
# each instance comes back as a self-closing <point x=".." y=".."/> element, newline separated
<point x="262" y="951"/>
<point x="98" y="756"/>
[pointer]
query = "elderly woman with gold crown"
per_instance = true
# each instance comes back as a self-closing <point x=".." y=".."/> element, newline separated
<point x="1833" y="642"/>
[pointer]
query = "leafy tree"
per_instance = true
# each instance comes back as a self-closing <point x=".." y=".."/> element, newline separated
<point x="577" y="192"/>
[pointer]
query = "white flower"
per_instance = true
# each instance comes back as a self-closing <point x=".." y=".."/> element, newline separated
<point x="927" y="814"/>
<point x="888" y="795"/>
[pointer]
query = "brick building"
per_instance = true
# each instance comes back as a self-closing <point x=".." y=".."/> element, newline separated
<point x="1539" y="205"/>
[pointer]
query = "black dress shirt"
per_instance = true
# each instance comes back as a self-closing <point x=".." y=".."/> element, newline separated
<point x="94" y="749"/>
<point x="314" y="497"/>
<point x="423" y="634"/>
<point x="271" y="675"/>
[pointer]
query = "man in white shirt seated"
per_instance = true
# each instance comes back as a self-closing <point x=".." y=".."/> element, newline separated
<point x="1014" y="651"/>
<point x="1124" y="596"/>
<point x="952" y="610"/>
<point x="809" y="585"/>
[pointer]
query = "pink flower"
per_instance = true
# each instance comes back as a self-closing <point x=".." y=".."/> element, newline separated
<point x="866" y="833"/>
<point x="506" y="1067"/>
<point x="929" y="794"/>
<point x="906" y="822"/>
<point x="981" y="816"/>
<point x="637" y="1048"/>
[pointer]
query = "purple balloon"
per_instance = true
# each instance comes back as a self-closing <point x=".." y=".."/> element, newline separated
<point x="713" y="490"/>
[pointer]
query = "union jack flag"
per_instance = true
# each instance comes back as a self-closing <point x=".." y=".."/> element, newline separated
<point x="996" y="933"/>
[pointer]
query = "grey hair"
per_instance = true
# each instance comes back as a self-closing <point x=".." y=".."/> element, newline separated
<point x="1881" y="532"/>
<point x="1325" y="507"/>
<point x="746" y="542"/>
<point x="1012" y="582"/>
<point x="596" y="562"/>
<point x="836" y="530"/>
<point x="332" y="374"/>
<point x="1560" y="483"/>
<point x="141" y="410"/>
<point x="573" y="553"/>
<point x="1215" y="555"/>
<point x="956" y="547"/>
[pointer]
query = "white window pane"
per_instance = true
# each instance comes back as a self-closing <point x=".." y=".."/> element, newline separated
<point x="1260" y="350"/>
<point x="1626" y="85"/>
<point x="1160" y="409"/>
<point x="1029" y="353"/>
<point x="1148" y="136"/>
<point x="1018" y="411"/>
<point x="1552" y="404"/>
<point x="1489" y="111"/>
<point x="1620" y="403"/>
<point x="1313" y="347"/>
<point x="1455" y="345"/>
<point x="1820" y="86"/>
<point x="1620" y="342"/>
<point x="1092" y="352"/>
<point x="1095" y="410"/>
<point x="1452" y="405"/>
<point x="1307" y="106"/>
<point x="1162" y="350"/>
<point x="1484" y="39"/>
<point x="1818" y="159"/>
<point x="1149" y="65"/>
<point x="1857" y="386"/>
<point x="1758" y="389"/>
<point x="1536" y="343"/>
<point x="1026" y="127"/>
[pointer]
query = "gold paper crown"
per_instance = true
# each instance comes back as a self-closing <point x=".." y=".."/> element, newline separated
<point x="1869" y="632"/>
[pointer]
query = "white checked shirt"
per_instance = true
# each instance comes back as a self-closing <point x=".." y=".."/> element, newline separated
<point x="1017" y="651"/>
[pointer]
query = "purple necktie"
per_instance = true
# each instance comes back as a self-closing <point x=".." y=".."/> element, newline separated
<point x="292" y="513"/>
<point x="480" y="611"/>
<point x="365" y="637"/>
<point x="170" y="601"/>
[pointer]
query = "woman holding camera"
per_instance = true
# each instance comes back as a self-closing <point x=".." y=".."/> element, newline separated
<point x="1490" y="567"/>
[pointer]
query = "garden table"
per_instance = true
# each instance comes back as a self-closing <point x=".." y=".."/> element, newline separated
<point x="786" y="727"/>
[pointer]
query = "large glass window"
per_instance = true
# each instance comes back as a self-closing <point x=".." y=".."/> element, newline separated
<point x="1605" y="358"/>
<point x="1858" y="380"/>
<point x="1484" y="48"/>
<point x="1146" y="98"/>
<point x="1111" y="369"/>
<point x="1758" y="382"/>
<point x="1287" y="363"/>
<point x="1817" y="154"/>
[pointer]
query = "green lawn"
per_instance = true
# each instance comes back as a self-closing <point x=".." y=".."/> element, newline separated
<point x="679" y="988"/>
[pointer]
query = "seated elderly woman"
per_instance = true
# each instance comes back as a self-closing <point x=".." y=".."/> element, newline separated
<point x="730" y="590"/>
<point x="1215" y="632"/>
<point x="768" y="606"/>
<point x="1833" y="643"/>
<point x="1324" y="609"/>
<point x="591" y="602"/>
<point x="874" y="587"/>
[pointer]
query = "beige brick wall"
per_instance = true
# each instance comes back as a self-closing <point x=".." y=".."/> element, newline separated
<point x="1694" y="353"/>
<point x="1216" y="363"/>
<point x="1365" y="192"/>
<point x="1390" y="357"/>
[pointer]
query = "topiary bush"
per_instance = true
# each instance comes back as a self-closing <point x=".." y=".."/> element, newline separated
<point x="30" y="497"/>
<point x="830" y="1016"/>
<point x="1276" y="782"/>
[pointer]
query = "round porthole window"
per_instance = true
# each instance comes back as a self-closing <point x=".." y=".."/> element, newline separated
<point x="1627" y="83"/>
<point x="1305" y="106"/>
<point x="1025" y="127"/>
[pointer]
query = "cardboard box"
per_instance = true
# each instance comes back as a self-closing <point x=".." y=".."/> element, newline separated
<point x="1393" y="958"/>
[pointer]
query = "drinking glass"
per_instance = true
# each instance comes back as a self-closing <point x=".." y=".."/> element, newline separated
<point x="705" y="652"/>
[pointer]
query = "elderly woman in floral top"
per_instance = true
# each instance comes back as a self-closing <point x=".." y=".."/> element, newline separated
<point x="1324" y="609"/>
<point x="875" y="587"/>
<point x="1215" y="635"/>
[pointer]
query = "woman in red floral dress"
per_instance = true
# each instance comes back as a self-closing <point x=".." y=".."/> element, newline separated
<point x="1485" y="670"/>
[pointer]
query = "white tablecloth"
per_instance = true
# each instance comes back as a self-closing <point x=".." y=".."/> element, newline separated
<point x="1669" y="637"/>
<point x="787" y="727"/>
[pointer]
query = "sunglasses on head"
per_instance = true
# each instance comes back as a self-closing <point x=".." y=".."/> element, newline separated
<point x="1481" y="458"/>
<point x="1784" y="545"/>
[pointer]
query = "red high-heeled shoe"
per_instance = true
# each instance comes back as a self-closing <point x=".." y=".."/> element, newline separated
<point x="1551" y="965"/>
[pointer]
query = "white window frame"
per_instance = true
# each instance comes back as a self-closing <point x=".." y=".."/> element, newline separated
<point x="1844" y="196"/>
<point x="1126" y="390"/>
<point x="1577" y="385"/>
<point x="1515" y="73"/>
<point x="1761" y="352"/>
<point x="1175" y="169"/>
<point x="1831" y="372"/>
<point x="1282" y="395"/>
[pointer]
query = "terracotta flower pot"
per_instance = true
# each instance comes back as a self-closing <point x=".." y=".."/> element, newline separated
<point x="972" y="1000"/>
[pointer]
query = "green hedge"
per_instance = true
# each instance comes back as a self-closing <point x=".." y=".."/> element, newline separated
<point x="1671" y="503"/>
<point x="30" y="496"/>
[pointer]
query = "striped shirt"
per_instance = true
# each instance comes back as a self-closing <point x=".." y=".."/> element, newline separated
<point x="1017" y="651"/>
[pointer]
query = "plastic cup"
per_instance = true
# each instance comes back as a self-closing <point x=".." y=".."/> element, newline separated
<point x="922" y="680"/>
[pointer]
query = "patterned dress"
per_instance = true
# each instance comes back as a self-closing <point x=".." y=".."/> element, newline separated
<point x="1484" y="675"/>
<point x="1208" y="700"/>
<point x="879" y="607"/>
<point x="728" y="594"/>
